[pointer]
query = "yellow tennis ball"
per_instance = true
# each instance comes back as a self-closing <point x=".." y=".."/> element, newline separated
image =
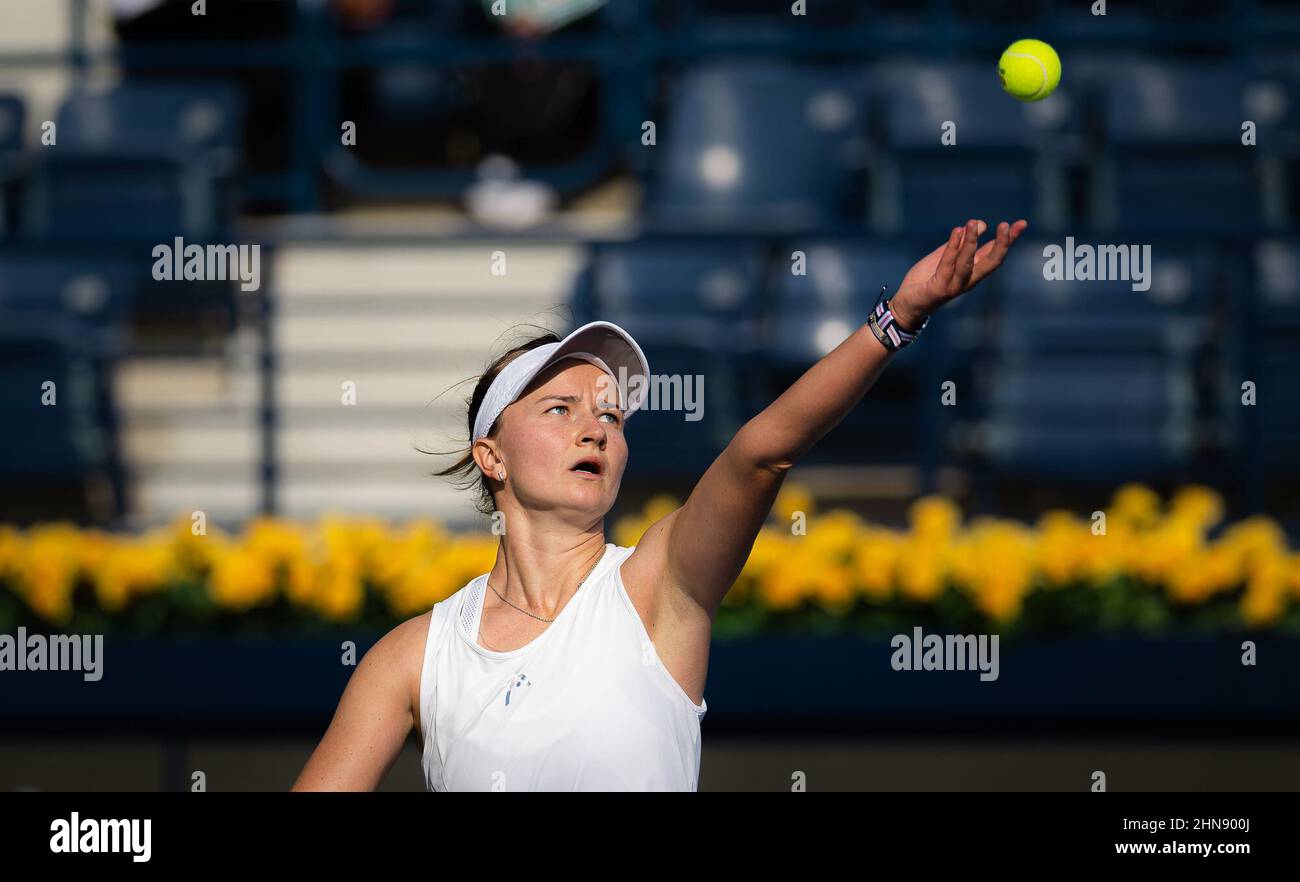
<point x="1029" y="70"/>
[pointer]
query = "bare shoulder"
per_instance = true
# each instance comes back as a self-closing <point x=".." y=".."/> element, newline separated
<point x="374" y="717"/>
<point x="402" y="640"/>
<point x="406" y="639"/>
<point x="399" y="655"/>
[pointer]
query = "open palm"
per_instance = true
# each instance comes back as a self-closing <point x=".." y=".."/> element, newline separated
<point x="952" y="269"/>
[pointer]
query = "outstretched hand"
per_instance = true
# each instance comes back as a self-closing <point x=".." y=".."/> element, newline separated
<point x="951" y="270"/>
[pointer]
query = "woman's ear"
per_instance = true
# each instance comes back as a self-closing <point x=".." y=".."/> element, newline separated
<point x="485" y="456"/>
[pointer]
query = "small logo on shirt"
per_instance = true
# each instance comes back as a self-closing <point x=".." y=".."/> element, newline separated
<point x="516" y="682"/>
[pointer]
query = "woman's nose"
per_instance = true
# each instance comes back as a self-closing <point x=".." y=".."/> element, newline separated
<point x="594" y="427"/>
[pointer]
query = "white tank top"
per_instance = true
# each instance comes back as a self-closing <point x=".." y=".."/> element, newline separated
<point x="586" y="705"/>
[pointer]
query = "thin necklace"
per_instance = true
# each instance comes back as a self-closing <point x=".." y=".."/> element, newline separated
<point x="539" y="618"/>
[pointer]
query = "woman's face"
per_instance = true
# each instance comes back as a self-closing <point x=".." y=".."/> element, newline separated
<point x="568" y="415"/>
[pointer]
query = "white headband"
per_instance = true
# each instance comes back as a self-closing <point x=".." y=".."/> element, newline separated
<point x="613" y="344"/>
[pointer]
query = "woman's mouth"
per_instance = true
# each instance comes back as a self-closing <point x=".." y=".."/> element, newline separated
<point x="588" y="469"/>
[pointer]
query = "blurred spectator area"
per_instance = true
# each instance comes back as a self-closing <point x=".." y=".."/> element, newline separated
<point x="797" y="166"/>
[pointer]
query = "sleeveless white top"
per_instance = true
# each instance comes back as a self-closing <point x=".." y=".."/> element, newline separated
<point x="586" y="705"/>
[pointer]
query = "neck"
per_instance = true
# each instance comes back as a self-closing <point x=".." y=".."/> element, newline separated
<point x="540" y="570"/>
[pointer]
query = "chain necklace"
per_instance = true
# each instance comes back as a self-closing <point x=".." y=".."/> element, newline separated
<point x="539" y="618"/>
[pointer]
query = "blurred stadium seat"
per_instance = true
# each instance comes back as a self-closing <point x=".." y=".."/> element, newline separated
<point x="761" y="148"/>
<point x="140" y="162"/>
<point x="692" y="417"/>
<point x="1094" y="380"/>
<point x="1001" y="159"/>
<point x="11" y="124"/>
<point x="815" y="312"/>
<point x="1122" y="418"/>
<point x="95" y="289"/>
<point x="11" y="142"/>
<point x="1275" y="343"/>
<point x="59" y="439"/>
<point x="1282" y="163"/>
<point x="818" y="309"/>
<point x="745" y="13"/>
<point x="196" y="122"/>
<point x="1173" y="156"/>
<point x="1108" y="315"/>
<point x="87" y="299"/>
<point x="705" y="294"/>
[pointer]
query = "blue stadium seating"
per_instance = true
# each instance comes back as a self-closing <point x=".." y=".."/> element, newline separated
<point x="1278" y="397"/>
<point x="740" y="13"/>
<point x="1274" y="344"/>
<point x="662" y="441"/>
<point x="97" y="290"/>
<point x="11" y="142"/>
<point x="109" y="288"/>
<point x="1284" y="67"/>
<point x="1093" y="379"/>
<point x="1106" y="315"/>
<point x="703" y="294"/>
<point x="1278" y="273"/>
<point x="1124" y="417"/>
<point x="140" y="162"/>
<point x="11" y="124"/>
<point x="88" y="299"/>
<point x="817" y="310"/>
<point x="193" y="122"/>
<point x="1008" y="160"/>
<point x="759" y="147"/>
<point x="66" y="440"/>
<point x="1173" y="157"/>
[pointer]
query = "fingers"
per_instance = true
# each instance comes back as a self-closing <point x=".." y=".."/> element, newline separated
<point x="990" y="256"/>
<point x="965" y="262"/>
<point x="943" y="273"/>
<point x="980" y="227"/>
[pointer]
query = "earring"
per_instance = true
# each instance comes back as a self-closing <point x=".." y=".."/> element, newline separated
<point x="501" y="474"/>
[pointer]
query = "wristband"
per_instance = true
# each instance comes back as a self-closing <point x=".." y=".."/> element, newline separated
<point x="886" y="328"/>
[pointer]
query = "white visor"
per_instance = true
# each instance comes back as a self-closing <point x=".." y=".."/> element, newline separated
<point x="603" y="344"/>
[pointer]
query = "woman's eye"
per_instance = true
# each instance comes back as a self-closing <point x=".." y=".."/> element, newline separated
<point x="614" y="418"/>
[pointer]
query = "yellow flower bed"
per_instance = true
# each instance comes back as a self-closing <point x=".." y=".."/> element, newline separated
<point x="348" y="569"/>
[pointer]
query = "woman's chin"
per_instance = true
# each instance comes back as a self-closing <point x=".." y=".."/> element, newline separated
<point x="591" y="494"/>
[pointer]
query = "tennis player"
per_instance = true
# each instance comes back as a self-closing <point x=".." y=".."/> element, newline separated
<point x="577" y="664"/>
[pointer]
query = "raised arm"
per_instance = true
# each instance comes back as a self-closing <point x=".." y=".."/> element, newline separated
<point x="374" y="716"/>
<point x="698" y="550"/>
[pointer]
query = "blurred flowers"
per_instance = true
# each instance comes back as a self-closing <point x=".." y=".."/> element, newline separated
<point x="1146" y="562"/>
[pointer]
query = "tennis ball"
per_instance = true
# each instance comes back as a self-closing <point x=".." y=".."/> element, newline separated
<point x="1029" y="70"/>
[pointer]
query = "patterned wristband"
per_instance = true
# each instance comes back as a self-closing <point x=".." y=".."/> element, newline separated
<point x="887" y="330"/>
